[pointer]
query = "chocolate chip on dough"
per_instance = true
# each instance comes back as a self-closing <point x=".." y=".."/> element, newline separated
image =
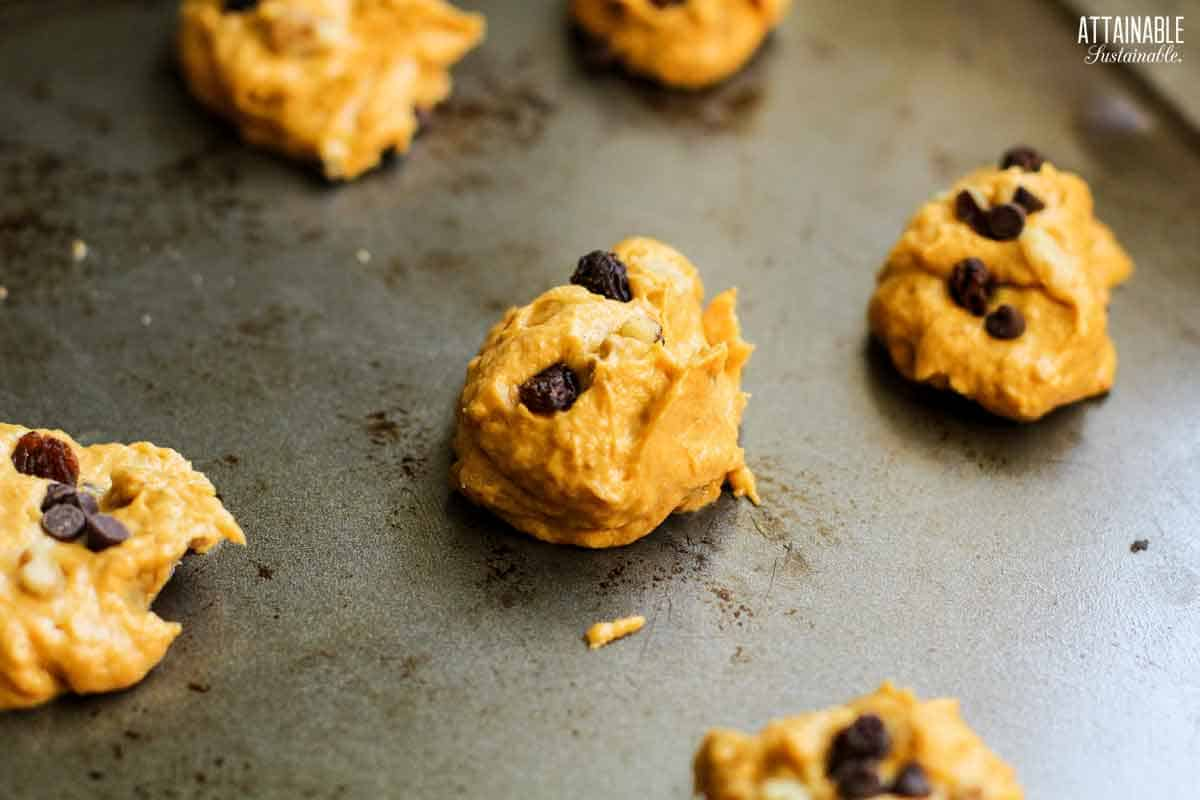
<point x="1005" y="322"/>
<point x="104" y="531"/>
<point x="63" y="522"/>
<point x="1027" y="200"/>
<point x="239" y="5"/>
<point x="1006" y="221"/>
<point x="912" y="782"/>
<point x="1024" y="157"/>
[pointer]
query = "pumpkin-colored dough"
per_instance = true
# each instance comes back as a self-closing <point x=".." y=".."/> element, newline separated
<point x="788" y="759"/>
<point x="333" y="81"/>
<point x="654" y="430"/>
<point x="80" y="621"/>
<point x="1057" y="273"/>
<point x="690" y="44"/>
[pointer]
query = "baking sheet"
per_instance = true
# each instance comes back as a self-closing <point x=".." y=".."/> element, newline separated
<point x="381" y="638"/>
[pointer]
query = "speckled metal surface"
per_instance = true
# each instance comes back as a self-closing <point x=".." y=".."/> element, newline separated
<point x="381" y="638"/>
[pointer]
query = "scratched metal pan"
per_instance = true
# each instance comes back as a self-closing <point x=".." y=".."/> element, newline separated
<point x="379" y="637"/>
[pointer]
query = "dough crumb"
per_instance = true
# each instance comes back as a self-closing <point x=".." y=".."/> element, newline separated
<point x="146" y="320"/>
<point x="79" y="250"/>
<point x="3" y="293"/>
<point x="603" y="633"/>
<point x="363" y="256"/>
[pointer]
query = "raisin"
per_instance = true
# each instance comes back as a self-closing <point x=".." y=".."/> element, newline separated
<point x="46" y="457"/>
<point x="1027" y="200"/>
<point x="603" y="273"/>
<point x="912" y="782"/>
<point x="1006" y="221"/>
<point x="553" y="389"/>
<point x="1024" y="157"/>
<point x="1005" y="322"/>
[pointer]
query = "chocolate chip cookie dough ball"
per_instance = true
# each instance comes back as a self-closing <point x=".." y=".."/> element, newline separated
<point x="687" y="44"/>
<point x="338" y="82"/>
<point x="88" y="537"/>
<point x="888" y="744"/>
<point x="998" y="290"/>
<point x="603" y="406"/>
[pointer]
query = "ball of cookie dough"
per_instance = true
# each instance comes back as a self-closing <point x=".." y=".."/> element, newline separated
<point x="601" y="407"/>
<point x="998" y="290"/>
<point x="687" y="44"/>
<point x="333" y="81"/>
<point x="80" y="562"/>
<point x="886" y="744"/>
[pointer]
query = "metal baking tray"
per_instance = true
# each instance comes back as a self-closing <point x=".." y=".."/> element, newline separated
<point x="379" y="637"/>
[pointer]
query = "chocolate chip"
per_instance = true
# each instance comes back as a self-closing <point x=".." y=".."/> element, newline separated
<point x="85" y="502"/>
<point x="57" y="494"/>
<point x="667" y="3"/>
<point x="239" y="5"/>
<point x="46" y="457"/>
<point x="967" y="210"/>
<point x="553" y="389"/>
<point x="912" y="782"/>
<point x="63" y="522"/>
<point x="1027" y="200"/>
<point x="1139" y="545"/>
<point x="104" y="531"/>
<point x="858" y="779"/>
<point x="865" y="738"/>
<point x="603" y="273"/>
<point x="1024" y="157"/>
<point x="1005" y="323"/>
<point x="971" y="285"/>
<point x="1006" y="221"/>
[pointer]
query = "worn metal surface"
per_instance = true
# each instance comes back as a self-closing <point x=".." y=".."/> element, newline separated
<point x="379" y="637"/>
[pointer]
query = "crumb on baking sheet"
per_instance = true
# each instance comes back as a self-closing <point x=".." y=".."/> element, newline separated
<point x="79" y="250"/>
<point x="603" y="633"/>
<point x="1139" y="545"/>
<point x="363" y="255"/>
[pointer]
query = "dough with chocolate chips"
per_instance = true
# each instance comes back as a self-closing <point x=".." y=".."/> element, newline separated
<point x="791" y="758"/>
<point x="333" y="81"/>
<point x="80" y="621"/>
<point x="1056" y="273"/>
<point x="688" y="44"/>
<point x="654" y="426"/>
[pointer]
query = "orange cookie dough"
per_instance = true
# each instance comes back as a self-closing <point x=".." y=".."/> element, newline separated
<point x="333" y="81"/>
<point x="77" y="618"/>
<point x="1002" y="303"/>
<point x="688" y="44"/>
<point x="598" y="409"/>
<point x="887" y="745"/>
